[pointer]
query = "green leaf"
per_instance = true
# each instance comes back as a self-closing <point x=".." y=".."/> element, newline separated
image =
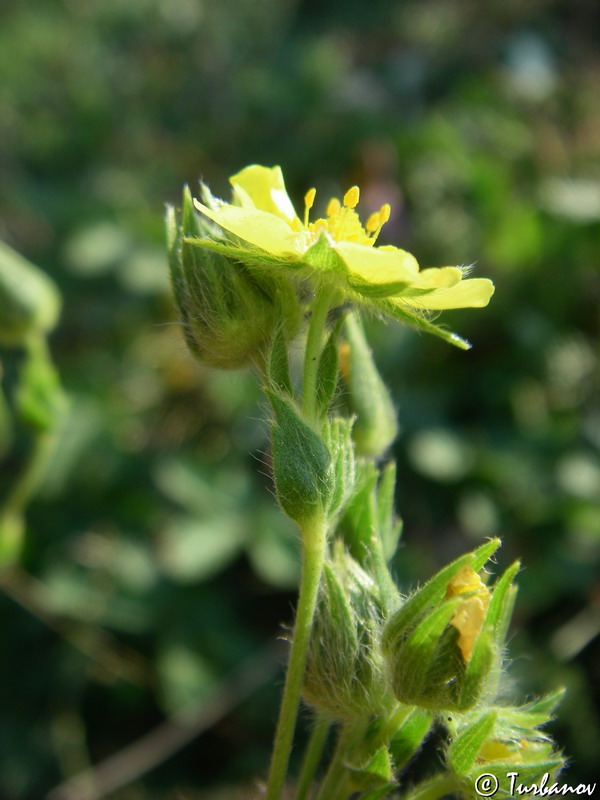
<point x="465" y="747"/>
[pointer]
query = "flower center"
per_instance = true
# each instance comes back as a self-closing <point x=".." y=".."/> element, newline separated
<point x="341" y="222"/>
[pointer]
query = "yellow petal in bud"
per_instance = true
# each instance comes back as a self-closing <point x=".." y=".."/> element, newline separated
<point x="351" y="197"/>
<point x="469" y="616"/>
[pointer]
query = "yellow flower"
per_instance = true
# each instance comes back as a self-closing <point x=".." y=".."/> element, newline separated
<point x="263" y="218"/>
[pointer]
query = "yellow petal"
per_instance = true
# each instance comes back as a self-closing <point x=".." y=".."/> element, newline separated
<point x="439" y="277"/>
<point x="469" y="293"/>
<point x="265" y="187"/>
<point x="259" y="228"/>
<point x="378" y="264"/>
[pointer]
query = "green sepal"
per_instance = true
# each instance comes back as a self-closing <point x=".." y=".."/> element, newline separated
<point x="337" y="434"/>
<point x="359" y="523"/>
<point x="545" y="705"/>
<point x="465" y="747"/>
<point x="252" y="257"/>
<point x="481" y="672"/>
<point x="301" y="462"/>
<point x="410" y="736"/>
<point x="325" y="258"/>
<point x="278" y="367"/>
<point x="390" y="527"/>
<point x="375" y="774"/>
<point x="377" y="290"/>
<point x="415" y="320"/>
<point x="328" y="370"/>
<point x="376" y="425"/>
<point x="413" y="683"/>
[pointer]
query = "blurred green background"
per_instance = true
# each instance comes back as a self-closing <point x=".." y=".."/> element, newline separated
<point x="155" y="561"/>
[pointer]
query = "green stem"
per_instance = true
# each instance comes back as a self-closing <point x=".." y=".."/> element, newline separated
<point x="335" y="783"/>
<point x="314" y="537"/>
<point x="312" y="756"/>
<point x="28" y="481"/>
<point x="314" y="340"/>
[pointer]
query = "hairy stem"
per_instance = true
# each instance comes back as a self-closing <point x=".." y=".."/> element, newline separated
<point x="314" y="537"/>
<point x="312" y="756"/>
<point x="335" y="783"/>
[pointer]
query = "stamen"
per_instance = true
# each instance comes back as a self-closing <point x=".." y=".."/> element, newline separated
<point x="309" y="199"/>
<point x="351" y="197"/>
<point x="373" y="223"/>
<point x="333" y="207"/>
<point x="384" y="213"/>
<point x="381" y="216"/>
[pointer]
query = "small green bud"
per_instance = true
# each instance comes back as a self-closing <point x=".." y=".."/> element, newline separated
<point x="302" y="468"/>
<point x="376" y="424"/>
<point x="29" y="300"/>
<point x="503" y="740"/>
<point x="228" y="316"/>
<point x="444" y="645"/>
<point x="345" y="672"/>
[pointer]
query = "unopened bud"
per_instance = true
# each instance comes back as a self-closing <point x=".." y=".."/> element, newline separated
<point x="345" y="672"/>
<point x="302" y="469"/>
<point x="376" y="426"/>
<point x="444" y="644"/>
<point x="227" y="316"/>
<point x="29" y="300"/>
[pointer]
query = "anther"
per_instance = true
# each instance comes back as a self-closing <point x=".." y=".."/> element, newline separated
<point x="309" y="199"/>
<point x="333" y="207"/>
<point x="373" y="223"/>
<point x="351" y="197"/>
<point x="384" y="213"/>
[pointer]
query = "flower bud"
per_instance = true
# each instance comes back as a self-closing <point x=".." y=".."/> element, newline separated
<point x="444" y="645"/>
<point x="376" y="425"/>
<point x="228" y="316"/>
<point x="346" y="672"/>
<point x="29" y="300"/>
<point x="501" y="741"/>
<point x="302" y="469"/>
